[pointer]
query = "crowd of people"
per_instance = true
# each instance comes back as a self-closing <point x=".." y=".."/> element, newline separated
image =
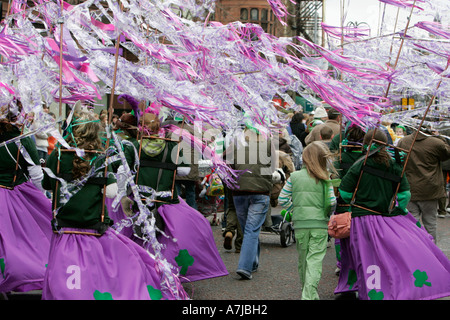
<point x="136" y="191"/>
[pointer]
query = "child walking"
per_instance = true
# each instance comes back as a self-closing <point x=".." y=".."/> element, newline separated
<point x="309" y="195"/>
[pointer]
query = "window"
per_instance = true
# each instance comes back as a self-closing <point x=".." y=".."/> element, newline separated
<point x="244" y="14"/>
<point x="254" y="14"/>
<point x="264" y="14"/>
<point x="264" y="26"/>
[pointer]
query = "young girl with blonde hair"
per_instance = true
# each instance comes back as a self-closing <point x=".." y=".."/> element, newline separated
<point x="309" y="195"/>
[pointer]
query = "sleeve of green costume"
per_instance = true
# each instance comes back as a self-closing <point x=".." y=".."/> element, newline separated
<point x="111" y="178"/>
<point x="403" y="199"/>
<point x="346" y="196"/>
<point x="348" y="184"/>
<point x="335" y="141"/>
<point x="30" y="146"/>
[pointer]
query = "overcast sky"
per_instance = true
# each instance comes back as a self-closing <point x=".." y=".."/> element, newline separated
<point x="365" y="11"/>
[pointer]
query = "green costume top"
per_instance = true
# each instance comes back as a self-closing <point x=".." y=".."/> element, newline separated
<point x="157" y="164"/>
<point x="347" y="160"/>
<point x="348" y="157"/>
<point x="8" y="157"/>
<point x="375" y="192"/>
<point x="84" y="209"/>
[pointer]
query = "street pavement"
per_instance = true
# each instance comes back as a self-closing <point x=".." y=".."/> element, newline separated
<point x="277" y="277"/>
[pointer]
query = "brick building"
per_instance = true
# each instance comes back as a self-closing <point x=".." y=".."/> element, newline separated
<point x="303" y="20"/>
<point x="251" y="11"/>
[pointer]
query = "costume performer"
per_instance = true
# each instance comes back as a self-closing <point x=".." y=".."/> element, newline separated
<point x="391" y="256"/>
<point x="25" y="231"/>
<point x="186" y="236"/>
<point x="88" y="259"/>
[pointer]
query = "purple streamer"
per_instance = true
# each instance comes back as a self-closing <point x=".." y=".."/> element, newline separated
<point x="435" y="28"/>
<point x="403" y="3"/>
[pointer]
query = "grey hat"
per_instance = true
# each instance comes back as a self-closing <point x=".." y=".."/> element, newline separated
<point x="320" y="112"/>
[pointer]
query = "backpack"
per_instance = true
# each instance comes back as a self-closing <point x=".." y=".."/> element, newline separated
<point x="215" y="186"/>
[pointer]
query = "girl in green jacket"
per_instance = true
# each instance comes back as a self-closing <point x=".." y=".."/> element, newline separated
<point x="309" y="195"/>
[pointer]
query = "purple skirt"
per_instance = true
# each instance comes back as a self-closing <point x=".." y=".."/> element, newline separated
<point x="110" y="267"/>
<point x="194" y="253"/>
<point x="119" y="218"/>
<point x="25" y="234"/>
<point x="392" y="258"/>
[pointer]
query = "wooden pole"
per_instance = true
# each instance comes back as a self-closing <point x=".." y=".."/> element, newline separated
<point x="110" y="111"/>
<point x="401" y="45"/>
<point x="61" y="28"/>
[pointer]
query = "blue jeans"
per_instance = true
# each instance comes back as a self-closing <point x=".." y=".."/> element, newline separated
<point x="251" y="212"/>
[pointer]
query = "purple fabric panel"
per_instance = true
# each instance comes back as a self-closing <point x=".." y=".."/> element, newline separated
<point x="194" y="252"/>
<point x="25" y="233"/>
<point x="392" y="258"/>
<point x="110" y="267"/>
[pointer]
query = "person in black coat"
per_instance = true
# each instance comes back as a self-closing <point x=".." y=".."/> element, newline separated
<point x="297" y="126"/>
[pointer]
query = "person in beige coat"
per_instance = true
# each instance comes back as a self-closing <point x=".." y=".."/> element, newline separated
<point x="334" y="118"/>
<point x="424" y="173"/>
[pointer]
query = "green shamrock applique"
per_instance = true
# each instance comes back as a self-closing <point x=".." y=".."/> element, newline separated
<point x="155" y="294"/>
<point x="184" y="260"/>
<point x="102" y="295"/>
<point x="2" y="266"/>
<point x="351" y="280"/>
<point x="338" y="252"/>
<point x="421" y="279"/>
<point x="375" y="295"/>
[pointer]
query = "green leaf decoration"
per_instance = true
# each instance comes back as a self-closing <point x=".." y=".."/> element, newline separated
<point x="418" y="224"/>
<point x="102" y="295"/>
<point x="376" y="295"/>
<point x="337" y="247"/>
<point x="352" y="278"/>
<point x="2" y="266"/>
<point x="155" y="294"/>
<point x="421" y="279"/>
<point x="184" y="260"/>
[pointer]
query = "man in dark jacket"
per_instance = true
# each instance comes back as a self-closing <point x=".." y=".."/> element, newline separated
<point x="444" y="207"/>
<point x="252" y="198"/>
<point x="424" y="173"/>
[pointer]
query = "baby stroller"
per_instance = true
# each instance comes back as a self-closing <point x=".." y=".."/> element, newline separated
<point x="282" y="227"/>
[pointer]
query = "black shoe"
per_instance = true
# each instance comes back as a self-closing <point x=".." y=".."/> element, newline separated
<point x="244" y="275"/>
<point x="228" y="240"/>
<point x="351" y="295"/>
